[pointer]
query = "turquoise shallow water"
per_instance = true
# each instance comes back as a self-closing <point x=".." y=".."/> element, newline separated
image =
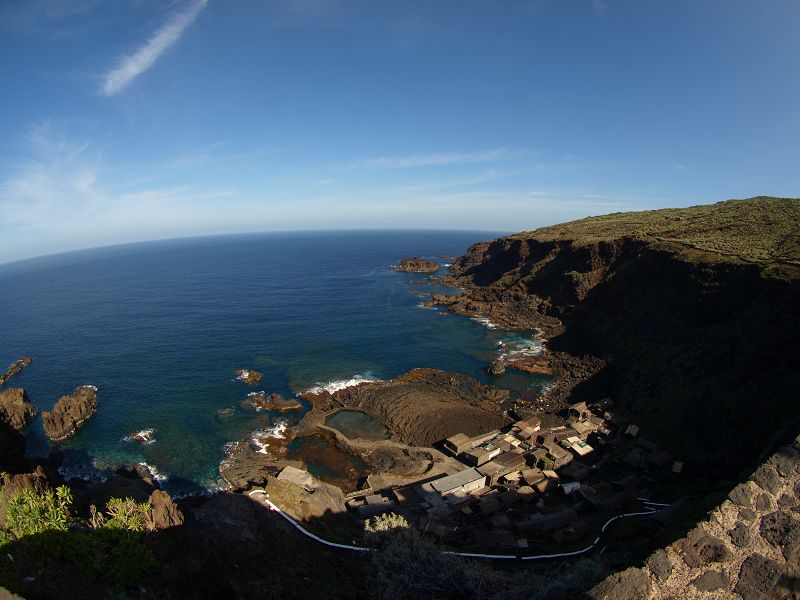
<point x="356" y="424"/>
<point x="161" y="328"/>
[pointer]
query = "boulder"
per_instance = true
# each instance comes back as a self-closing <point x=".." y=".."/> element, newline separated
<point x="248" y="376"/>
<point x="70" y="413"/>
<point x="164" y="512"/>
<point x="15" y="408"/>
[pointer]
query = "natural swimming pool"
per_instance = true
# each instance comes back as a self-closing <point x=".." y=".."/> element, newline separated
<point x="356" y="424"/>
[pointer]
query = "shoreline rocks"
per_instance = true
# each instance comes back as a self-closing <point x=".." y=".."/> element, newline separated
<point x="248" y="376"/>
<point x="144" y="437"/>
<point x="70" y="413"/>
<point x="15" y="368"/>
<point x="274" y="402"/>
<point x="15" y="408"/>
<point x="414" y="264"/>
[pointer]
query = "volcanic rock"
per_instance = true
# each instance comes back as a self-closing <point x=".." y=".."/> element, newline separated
<point x="248" y="376"/>
<point x="424" y="405"/>
<point x="14" y="368"/>
<point x="15" y="408"/>
<point x="164" y="512"/>
<point x="417" y="265"/>
<point x="275" y="402"/>
<point x="70" y="413"/>
<point x="145" y="436"/>
<point x="497" y="367"/>
<point x="245" y="467"/>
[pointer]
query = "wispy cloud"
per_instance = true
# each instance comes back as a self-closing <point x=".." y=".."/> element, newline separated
<point x="65" y="194"/>
<point x="439" y="159"/>
<point x="133" y="65"/>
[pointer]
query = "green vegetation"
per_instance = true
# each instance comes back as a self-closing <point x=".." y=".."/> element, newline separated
<point x="30" y="513"/>
<point x="50" y="545"/>
<point x="762" y="230"/>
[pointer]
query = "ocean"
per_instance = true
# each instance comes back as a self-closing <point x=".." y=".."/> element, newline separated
<point x="161" y="328"/>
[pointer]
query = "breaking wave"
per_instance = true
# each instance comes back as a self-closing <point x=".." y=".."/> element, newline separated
<point x="485" y="322"/>
<point x="154" y="473"/>
<point x="516" y="347"/>
<point x="144" y="437"/>
<point x="340" y="384"/>
<point x="259" y="438"/>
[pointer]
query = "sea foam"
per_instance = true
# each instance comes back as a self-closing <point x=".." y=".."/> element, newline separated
<point x="154" y="473"/>
<point x="516" y="347"/>
<point x="258" y="439"/>
<point x="485" y="322"/>
<point x="340" y="384"/>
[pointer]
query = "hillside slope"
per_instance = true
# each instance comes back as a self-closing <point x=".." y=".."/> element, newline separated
<point x="694" y="313"/>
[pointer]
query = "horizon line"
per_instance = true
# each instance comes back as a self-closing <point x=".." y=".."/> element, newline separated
<point x="495" y="233"/>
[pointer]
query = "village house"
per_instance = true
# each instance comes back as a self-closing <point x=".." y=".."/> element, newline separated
<point x="458" y="444"/>
<point x="480" y="454"/>
<point x="462" y="483"/>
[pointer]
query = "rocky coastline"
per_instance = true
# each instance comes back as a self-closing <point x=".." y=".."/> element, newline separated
<point x="625" y="315"/>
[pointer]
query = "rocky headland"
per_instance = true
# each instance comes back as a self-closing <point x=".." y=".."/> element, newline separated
<point x="15" y="408"/>
<point x="70" y="413"/>
<point x="417" y="265"/>
<point x="690" y="316"/>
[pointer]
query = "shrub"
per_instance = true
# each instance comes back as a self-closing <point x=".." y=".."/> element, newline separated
<point x="29" y="513"/>
<point x="127" y="514"/>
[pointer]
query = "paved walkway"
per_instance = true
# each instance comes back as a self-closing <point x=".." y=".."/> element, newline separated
<point x="651" y="506"/>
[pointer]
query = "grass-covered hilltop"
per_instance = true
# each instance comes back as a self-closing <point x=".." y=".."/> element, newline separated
<point x="672" y="337"/>
<point x="759" y="230"/>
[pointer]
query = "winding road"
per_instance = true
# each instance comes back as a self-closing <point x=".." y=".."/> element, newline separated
<point x="651" y="506"/>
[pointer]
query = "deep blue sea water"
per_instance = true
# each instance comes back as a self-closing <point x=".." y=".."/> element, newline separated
<point x="161" y="328"/>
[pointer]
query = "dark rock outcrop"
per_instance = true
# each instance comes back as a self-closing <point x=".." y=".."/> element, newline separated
<point x="164" y="513"/>
<point x="70" y="413"/>
<point x="15" y="408"/>
<point x="248" y="376"/>
<point x="417" y="265"/>
<point x="15" y="368"/>
<point x="274" y="402"/>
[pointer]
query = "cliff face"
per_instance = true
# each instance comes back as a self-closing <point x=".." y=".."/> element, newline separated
<point x="695" y="313"/>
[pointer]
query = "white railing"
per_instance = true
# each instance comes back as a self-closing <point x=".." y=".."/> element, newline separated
<point x="649" y="505"/>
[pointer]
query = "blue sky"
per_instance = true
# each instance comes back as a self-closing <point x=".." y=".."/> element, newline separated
<point x="126" y="121"/>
